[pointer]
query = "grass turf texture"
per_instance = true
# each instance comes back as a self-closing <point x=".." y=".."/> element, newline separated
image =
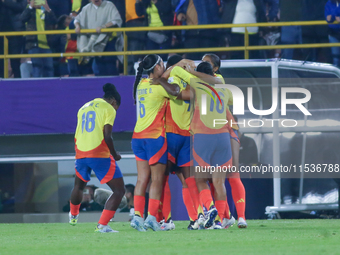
<point x="261" y="237"/>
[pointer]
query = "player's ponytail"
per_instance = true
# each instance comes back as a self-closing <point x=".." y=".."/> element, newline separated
<point x="148" y="64"/>
<point x="138" y="78"/>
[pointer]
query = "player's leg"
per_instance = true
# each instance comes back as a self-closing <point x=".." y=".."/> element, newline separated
<point x="76" y="198"/>
<point x="155" y="193"/>
<point x="222" y="157"/>
<point x="166" y="196"/>
<point x="143" y="178"/>
<point x="220" y="197"/>
<point x="189" y="204"/>
<point x="238" y="191"/>
<point x="83" y="173"/>
<point x="157" y="156"/>
<point x="118" y="188"/>
<point x="107" y="171"/>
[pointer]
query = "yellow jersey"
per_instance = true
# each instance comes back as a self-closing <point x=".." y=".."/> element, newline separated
<point x="210" y="105"/>
<point x="220" y="77"/>
<point x="177" y="118"/>
<point x="230" y="117"/>
<point x="151" y="105"/>
<point x="89" y="136"/>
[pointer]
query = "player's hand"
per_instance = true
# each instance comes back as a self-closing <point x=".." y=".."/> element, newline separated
<point x="117" y="157"/>
<point x="154" y="81"/>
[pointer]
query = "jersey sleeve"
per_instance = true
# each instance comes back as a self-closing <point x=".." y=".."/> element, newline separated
<point x="181" y="73"/>
<point x="178" y="81"/>
<point x="110" y="116"/>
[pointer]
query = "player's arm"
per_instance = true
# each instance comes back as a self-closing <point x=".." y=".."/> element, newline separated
<point x="109" y="142"/>
<point x="186" y="94"/>
<point x="171" y="89"/>
<point x="203" y="76"/>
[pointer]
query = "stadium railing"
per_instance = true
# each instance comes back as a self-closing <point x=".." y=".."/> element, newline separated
<point x="246" y="48"/>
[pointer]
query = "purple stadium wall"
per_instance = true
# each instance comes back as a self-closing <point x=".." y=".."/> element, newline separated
<point x="49" y="106"/>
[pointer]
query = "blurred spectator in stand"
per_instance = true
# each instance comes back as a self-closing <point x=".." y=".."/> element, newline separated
<point x="97" y="15"/>
<point x="314" y="10"/>
<point x="11" y="12"/>
<point x="60" y="7"/>
<point x="26" y="68"/>
<point x="39" y="18"/>
<point x="271" y="35"/>
<point x="136" y="40"/>
<point x="239" y="12"/>
<point x="69" y="44"/>
<point x="75" y="7"/>
<point x="332" y="13"/>
<point x="199" y="12"/>
<point x="290" y="10"/>
<point x="159" y="14"/>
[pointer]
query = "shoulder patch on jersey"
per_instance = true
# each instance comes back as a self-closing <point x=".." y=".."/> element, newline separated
<point x="171" y="79"/>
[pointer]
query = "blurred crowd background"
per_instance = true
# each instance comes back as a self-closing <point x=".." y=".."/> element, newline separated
<point x="39" y="15"/>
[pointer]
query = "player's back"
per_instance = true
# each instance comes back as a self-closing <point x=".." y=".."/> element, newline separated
<point x="89" y="136"/>
<point x="210" y="105"/>
<point x="151" y="105"/>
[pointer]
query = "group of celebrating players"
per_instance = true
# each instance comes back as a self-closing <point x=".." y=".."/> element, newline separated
<point x="171" y="136"/>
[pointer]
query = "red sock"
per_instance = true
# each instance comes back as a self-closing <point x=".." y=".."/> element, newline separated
<point x="153" y="207"/>
<point x="189" y="204"/>
<point x="220" y="206"/>
<point x="139" y="204"/>
<point x="205" y="196"/>
<point x="194" y="194"/>
<point x="160" y="215"/>
<point x="74" y="209"/>
<point x="239" y="196"/>
<point x="227" y="210"/>
<point x="212" y="189"/>
<point x="167" y="201"/>
<point x="106" y="216"/>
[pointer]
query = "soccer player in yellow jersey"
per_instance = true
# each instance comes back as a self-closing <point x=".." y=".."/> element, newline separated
<point x="238" y="191"/>
<point x="149" y="143"/>
<point x="180" y="72"/>
<point x="95" y="151"/>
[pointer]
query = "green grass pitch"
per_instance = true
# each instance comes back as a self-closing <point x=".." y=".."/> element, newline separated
<point x="261" y="237"/>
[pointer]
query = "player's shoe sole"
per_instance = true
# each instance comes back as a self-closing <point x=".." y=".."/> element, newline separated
<point x="212" y="213"/>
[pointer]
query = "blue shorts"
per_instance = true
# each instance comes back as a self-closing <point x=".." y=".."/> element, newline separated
<point x="105" y="169"/>
<point x="212" y="150"/>
<point x="178" y="149"/>
<point x="151" y="150"/>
